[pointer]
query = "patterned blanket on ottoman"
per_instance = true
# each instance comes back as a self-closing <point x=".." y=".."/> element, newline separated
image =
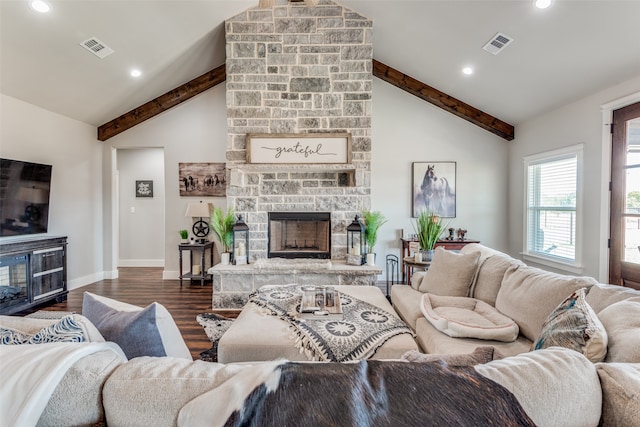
<point x="362" y="330"/>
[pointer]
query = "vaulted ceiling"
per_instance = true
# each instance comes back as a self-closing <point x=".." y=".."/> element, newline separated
<point x="560" y="54"/>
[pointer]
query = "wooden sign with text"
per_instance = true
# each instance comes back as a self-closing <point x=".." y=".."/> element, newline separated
<point x="299" y="148"/>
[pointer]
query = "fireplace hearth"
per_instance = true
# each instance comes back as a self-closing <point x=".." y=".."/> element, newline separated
<point x="299" y="235"/>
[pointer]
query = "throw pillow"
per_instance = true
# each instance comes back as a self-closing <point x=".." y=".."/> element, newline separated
<point x="450" y="273"/>
<point x="64" y="330"/>
<point x="622" y="323"/>
<point x="462" y="317"/>
<point x="482" y="354"/>
<point x="149" y="331"/>
<point x="574" y="325"/>
<point x="30" y="325"/>
<point x="620" y="394"/>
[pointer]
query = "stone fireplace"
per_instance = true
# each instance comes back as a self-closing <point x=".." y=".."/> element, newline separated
<point x="294" y="69"/>
<point x="291" y="70"/>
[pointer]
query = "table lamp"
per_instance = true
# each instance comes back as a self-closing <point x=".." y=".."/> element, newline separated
<point x="200" y="227"/>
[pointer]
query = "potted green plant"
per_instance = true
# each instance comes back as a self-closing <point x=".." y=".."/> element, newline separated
<point x="428" y="227"/>
<point x="373" y="220"/>
<point x="184" y="236"/>
<point x="222" y="226"/>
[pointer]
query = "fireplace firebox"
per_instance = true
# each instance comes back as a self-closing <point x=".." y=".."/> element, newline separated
<point x="299" y="235"/>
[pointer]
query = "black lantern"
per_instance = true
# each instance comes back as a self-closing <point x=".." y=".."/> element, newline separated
<point x="356" y="243"/>
<point x="240" y="245"/>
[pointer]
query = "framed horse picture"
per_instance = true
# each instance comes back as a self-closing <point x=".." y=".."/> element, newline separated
<point x="434" y="188"/>
<point x="202" y="179"/>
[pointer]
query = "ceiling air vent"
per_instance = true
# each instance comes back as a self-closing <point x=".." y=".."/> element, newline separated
<point x="497" y="43"/>
<point x="96" y="47"/>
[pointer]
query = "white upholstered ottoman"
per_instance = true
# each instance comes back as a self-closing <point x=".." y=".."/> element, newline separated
<point x="255" y="336"/>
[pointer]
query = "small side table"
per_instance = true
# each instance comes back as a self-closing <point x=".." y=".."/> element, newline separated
<point x="202" y="248"/>
<point x="411" y="264"/>
<point x="451" y="245"/>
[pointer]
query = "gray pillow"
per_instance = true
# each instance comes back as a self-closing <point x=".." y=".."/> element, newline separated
<point x="135" y="332"/>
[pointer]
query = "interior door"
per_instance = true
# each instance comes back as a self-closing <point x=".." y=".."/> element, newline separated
<point x="624" y="256"/>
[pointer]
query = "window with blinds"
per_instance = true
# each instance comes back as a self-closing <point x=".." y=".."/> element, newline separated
<point x="552" y="205"/>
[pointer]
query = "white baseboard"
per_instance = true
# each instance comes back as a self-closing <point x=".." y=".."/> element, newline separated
<point x="114" y="274"/>
<point x="170" y="275"/>
<point x="141" y="263"/>
<point x="85" y="280"/>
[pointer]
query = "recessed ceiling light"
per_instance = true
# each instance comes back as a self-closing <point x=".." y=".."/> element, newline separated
<point x="135" y="73"/>
<point x="40" y="6"/>
<point x="467" y="71"/>
<point x="542" y="4"/>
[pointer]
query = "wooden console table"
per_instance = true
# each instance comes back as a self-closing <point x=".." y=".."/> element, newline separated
<point x="451" y="245"/>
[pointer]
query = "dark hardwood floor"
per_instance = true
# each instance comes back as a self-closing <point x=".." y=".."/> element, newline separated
<point x="142" y="286"/>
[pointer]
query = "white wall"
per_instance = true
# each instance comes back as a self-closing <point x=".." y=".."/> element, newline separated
<point x="141" y="219"/>
<point x="194" y="131"/>
<point x="33" y="134"/>
<point x="407" y="129"/>
<point x="578" y="122"/>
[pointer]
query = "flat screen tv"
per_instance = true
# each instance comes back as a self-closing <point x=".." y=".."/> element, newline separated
<point x="24" y="197"/>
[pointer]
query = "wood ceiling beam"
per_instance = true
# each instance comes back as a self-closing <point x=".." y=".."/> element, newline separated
<point x="444" y="101"/>
<point x="162" y="103"/>
<point x="380" y="70"/>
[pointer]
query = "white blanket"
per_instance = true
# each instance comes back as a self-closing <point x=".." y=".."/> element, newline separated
<point x="31" y="372"/>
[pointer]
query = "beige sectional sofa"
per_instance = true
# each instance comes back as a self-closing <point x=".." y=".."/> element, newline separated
<point x="555" y="386"/>
<point x="525" y="294"/>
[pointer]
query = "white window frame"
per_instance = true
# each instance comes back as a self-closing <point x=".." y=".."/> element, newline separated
<point x="574" y="266"/>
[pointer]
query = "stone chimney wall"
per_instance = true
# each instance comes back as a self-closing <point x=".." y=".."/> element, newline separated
<point x="294" y="69"/>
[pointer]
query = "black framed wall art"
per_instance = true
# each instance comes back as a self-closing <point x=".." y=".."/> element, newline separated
<point x="144" y="188"/>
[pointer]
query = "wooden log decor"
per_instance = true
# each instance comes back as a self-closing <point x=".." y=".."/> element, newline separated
<point x="444" y="101"/>
<point x="162" y="103"/>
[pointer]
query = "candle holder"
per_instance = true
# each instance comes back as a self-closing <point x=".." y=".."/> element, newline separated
<point x="356" y="242"/>
<point x="240" y="247"/>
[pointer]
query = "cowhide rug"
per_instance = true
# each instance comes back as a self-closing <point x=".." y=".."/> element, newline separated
<point x="214" y="326"/>
<point x="364" y="394"/>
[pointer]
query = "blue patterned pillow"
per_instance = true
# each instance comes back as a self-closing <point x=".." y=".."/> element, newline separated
<point x="65" y="330"/>
<point x="574" y="325"/>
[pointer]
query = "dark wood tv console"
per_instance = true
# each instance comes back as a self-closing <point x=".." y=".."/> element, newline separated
<point x="33" y="271"/>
